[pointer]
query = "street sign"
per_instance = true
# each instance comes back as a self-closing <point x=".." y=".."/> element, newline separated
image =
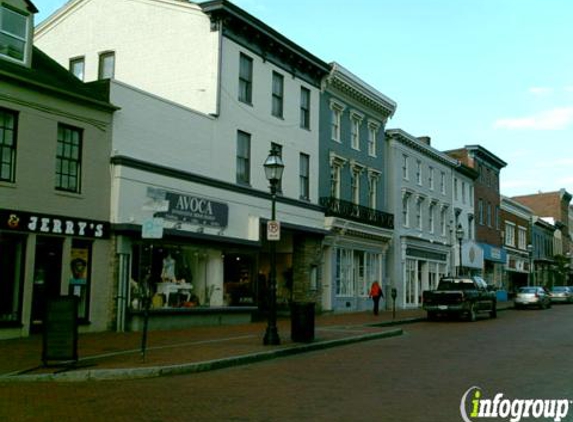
<point x="152" y="228"/>
<point x="273" y="230"/>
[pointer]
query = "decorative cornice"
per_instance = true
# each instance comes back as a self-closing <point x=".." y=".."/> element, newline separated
<point x="352" y="86"/>
<point x="252" y="33"/>
<point x="412" y="142"/>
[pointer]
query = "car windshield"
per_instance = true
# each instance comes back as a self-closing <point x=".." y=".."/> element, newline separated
<point x="528" y="290"/>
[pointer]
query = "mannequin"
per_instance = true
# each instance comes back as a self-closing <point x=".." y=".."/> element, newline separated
<point x="168" y="272"/>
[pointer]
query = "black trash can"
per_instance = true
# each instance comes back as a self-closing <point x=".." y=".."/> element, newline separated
<point x="302" y="322"/>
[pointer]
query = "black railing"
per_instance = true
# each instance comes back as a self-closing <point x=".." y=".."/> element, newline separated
<point x="345" y="209"/>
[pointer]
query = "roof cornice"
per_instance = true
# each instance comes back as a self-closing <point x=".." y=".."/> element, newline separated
<point x="411" y="141"/>
<point x="350" y="84"/>
<point x="483" y="153"/>
<point x="236" y="23"/>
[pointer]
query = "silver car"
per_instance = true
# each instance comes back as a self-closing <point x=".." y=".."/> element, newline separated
<point x="561" y="294"/>
<point x="532" y="296"/>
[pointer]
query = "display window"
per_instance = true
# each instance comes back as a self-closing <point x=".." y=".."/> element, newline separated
<point x="240" y="287"/>
<point x="80" y="280"/>
<point x="12" y="248"/>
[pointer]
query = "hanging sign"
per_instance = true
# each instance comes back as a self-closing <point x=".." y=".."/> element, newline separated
<point x="273" y="230"/>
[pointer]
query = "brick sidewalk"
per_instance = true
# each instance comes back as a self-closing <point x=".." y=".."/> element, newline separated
<point x="113" y="353"/>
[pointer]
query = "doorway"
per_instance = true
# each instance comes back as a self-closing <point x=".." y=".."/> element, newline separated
<point x="47" y="276"/>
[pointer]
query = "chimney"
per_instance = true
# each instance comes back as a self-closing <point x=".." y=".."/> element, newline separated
<point x="425" y="140"/>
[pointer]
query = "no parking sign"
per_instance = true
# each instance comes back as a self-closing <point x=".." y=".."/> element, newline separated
<point x="273" y="230"/>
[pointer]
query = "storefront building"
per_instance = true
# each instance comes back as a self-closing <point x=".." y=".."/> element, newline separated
<point x="55" y="144"/>
<point x="353" y="190"/>
<point x="421" y="186"/>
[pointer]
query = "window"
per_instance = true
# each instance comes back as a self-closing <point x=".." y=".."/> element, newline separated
<point x="304" y="176"/>
<point x="8" y="121"/>
<point x="405" y="169"/>
<point x="80" y="264"/>
<point x="455" y="189"/>
<point x="443" y="217"/>
<point x="77" y="67"/>
<point x="106" y="65"/>
<point x="419" y="172"/>
<point x="304" y="108"/>
<point x="245" y="79"/>
<point x="406" y="210"/>
<point x="431" y="216"/>
<point x="13" y="34"/>
<point x="336" y="110"/>
<point x="355" y="186"/>
<point x="419" y="213"/>
<point x="522" y="238"/>
<point x="463" y="192"/>
<point x="480" y="211"/>
<point x="372" y="132"/>
<point x="335" y="181"/>
<point x="488" y="209"/>
<point x="279" y="150"/>
<point x="372" y="193"/>
<point x="443" y="183"/>
<point x="497" y="217"/>
<point x="69" y="159"/>
<point x="431" y="177"/>
<point x="470" y="227"/>
<point x="343" y="272"/>
<point x="243" y="158"/>
<point x="278" y="94"/>
<point x="12" y="249"/>
<point x="356" y="121"/>
<point x="509" y="234"/>
<point x="471" y="195"/>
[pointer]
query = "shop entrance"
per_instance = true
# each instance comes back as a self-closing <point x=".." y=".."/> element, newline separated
<point x="47" y="276"/>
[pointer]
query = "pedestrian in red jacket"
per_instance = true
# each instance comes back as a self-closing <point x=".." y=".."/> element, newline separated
<point x="376" y="294"/>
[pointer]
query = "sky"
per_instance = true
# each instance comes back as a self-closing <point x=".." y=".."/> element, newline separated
<point x="496" y="73"/>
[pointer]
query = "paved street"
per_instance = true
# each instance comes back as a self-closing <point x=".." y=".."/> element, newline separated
<point x="420" y="376"/>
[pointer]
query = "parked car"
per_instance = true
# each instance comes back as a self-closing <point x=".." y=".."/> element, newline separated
<point x="532" y="296"/>
<point x="561" y="294"/>
<point x="459" y="296"/>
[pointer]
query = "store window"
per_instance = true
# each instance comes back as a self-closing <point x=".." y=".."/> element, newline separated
<point x="11" y="277"/>
<point x="240" y="288"/>
<point x="343" y="273"/>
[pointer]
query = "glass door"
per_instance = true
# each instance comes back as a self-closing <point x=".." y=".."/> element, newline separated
<point x="47" y="275"/>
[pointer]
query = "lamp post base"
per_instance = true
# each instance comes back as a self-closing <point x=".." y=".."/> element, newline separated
<point x="271" y="337"/>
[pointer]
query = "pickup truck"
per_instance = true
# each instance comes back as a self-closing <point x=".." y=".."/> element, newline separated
<point x="461" y="296"/>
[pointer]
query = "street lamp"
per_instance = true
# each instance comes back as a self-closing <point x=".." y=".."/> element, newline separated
<point x="530" y="275"/>
<point x="460" y="237"/>
<point x="274" y="167"/>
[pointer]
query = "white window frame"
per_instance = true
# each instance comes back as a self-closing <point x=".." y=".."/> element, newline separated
<point x="405" y="167"/>
<point x="443" y="183"/>
<point x="336" y="110"/>
<point x="25" y="40"/>
<point x="373" y="177"/>
<point x="522" y="237"/>
<point x="431" y="177"/>
<point x="406" y="209"/>
<point x="510" y="233"/>
<point x="373" y="128"/>
<point x="355" y="123"/>
<point x="419" y="172"/>
<point x="336" y="164"/>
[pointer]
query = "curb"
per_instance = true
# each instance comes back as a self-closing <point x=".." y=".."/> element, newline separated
<point x="189" y="368"/>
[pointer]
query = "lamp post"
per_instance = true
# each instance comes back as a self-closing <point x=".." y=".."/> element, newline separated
<point x="530" y="275"/>
<point x="274" y="167"/>
<point x="460" y="237"/>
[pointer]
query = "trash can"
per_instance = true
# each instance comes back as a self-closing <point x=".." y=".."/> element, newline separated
<point x="302" y="322"/>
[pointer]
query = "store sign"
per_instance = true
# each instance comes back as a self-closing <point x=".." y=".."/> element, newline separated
<point x="195" y="210"/>
<point x="50" y="224"/>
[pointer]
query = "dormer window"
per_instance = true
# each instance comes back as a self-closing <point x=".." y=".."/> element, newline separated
<point x="13" y="34"/>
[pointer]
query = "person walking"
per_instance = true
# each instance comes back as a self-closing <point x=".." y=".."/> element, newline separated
<point x="376" y="294"/>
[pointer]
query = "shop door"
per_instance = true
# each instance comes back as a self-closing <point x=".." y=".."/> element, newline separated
<point x="47" y="276"/>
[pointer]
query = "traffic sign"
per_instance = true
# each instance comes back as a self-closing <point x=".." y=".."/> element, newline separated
<point x="273" y="230"/>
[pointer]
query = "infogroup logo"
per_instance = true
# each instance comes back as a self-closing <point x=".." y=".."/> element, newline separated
<point x="474" y="406"/>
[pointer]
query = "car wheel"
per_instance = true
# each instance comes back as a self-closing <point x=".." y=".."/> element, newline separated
<point x="472" y="313"/>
